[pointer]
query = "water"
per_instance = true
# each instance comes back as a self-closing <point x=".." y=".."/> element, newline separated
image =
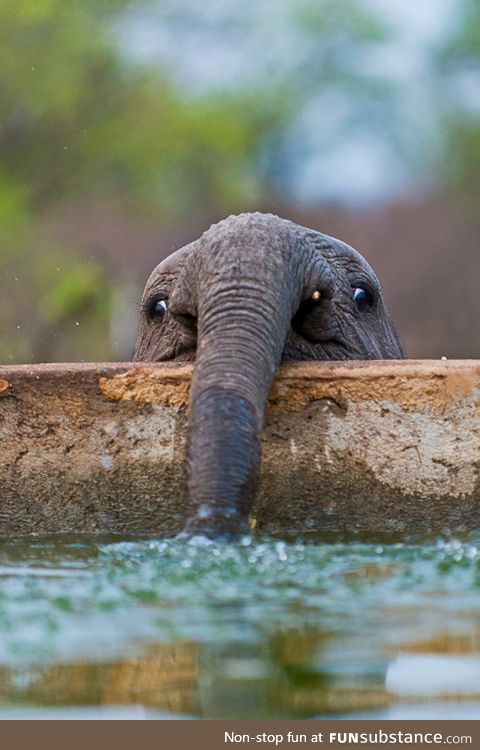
<point x="138" y="628"/>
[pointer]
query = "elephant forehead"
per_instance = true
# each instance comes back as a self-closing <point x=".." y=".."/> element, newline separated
<point x="333" y="250"/>
<point x="168" y="269"/>
<point x="336" y="250"/>
<point x="172" y="262"/>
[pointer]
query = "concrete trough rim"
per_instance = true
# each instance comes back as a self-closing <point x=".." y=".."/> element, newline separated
<point x="308" y="368"/>
<point x="408" y="379"/>
<point x="289" y="372"/>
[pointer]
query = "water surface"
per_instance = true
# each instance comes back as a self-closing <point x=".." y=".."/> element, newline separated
<point x="105" y="627"/>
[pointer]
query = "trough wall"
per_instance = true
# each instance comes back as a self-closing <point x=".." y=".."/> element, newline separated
<point x="381" y="447"/>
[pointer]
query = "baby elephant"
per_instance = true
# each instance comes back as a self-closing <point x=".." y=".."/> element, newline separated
<point x="252" y="291"/>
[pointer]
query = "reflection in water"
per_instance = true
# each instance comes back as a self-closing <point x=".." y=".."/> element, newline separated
<point x="258" y="629"/>
<point x="434" y="675"/>
<point x="165" y="679"/>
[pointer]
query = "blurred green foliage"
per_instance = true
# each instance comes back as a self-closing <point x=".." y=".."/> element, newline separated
<point x="77" y="117"/>
<point x="59" y="75"/>
<point x="77" y="120"/>
<point x="459" y="62"/>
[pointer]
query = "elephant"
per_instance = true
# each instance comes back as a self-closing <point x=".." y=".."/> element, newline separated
<point x="253" y="290"/>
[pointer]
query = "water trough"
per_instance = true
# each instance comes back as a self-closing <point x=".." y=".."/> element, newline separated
<point x="379" y="446"/>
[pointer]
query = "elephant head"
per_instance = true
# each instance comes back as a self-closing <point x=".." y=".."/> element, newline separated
<point x="253" y="290"/>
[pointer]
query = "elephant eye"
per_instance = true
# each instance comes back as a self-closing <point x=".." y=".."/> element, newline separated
<point x="157" y="308"/>
<point x="362" y="298"/>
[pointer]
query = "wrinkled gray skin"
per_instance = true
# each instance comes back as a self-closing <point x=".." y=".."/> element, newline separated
<point x="237" y="301"/>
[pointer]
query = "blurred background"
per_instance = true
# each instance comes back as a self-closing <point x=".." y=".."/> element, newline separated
<point x="127" y="127"/>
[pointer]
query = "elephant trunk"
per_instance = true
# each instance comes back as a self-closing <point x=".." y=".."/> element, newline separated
<point x="250" y="282"/>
